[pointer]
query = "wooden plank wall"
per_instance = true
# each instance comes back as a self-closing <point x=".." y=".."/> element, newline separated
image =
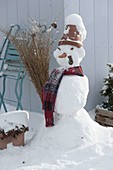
<point x="97" y="16"/>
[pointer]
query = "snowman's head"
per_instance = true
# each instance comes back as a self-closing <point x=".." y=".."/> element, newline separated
<point x="69" y="56"/>
<point x="70" y="51"/>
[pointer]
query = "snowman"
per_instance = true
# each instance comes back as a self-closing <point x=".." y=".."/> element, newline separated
<point x="65" y="95"/>
<point x="66" y="91"/>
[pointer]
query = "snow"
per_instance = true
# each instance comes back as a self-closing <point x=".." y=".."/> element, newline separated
<point x="9" y="120"/>
<point x="75" y="19"/>
<point x="1" y="73"/>
<point x="110" y="64"/>
<point x="104" y="87"/>
<point x="93" y="148"/>
<point x="72" y="94"/>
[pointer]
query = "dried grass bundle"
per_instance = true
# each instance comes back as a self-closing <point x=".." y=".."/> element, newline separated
<point x="34" y="46"/>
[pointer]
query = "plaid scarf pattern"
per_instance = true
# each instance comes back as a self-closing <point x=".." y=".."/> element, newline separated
<point x="50" y="89"/>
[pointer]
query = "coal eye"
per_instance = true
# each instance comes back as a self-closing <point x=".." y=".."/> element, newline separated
<point x="59" y="48"/>
<point x="66" y="27"/>
<point x="72" y="48"/>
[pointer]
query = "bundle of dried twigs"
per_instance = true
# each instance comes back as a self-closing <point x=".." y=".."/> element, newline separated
<point x="34" y="47"/>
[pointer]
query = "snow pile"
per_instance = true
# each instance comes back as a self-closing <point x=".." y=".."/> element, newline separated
<point x="88" y="146"/>
<point x="73" y="132"/>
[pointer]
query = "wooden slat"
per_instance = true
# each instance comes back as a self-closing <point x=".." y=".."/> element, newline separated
<point x="11" y="57"/>
<point x="89" y="46"/>
<point x="12" y="52"/>
<point x="103" y="112"/>
<point x="12" y="12"/>
<point x="11" y="47"/>
<point x="110" y="31"/>
<point x="71" y="7"/>
<point x="22" y="11"/>
<point x="104" y="120"/>
<point x="101" y="44"/>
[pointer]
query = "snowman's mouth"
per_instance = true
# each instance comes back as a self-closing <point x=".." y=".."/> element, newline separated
<point x="70" y="60"/>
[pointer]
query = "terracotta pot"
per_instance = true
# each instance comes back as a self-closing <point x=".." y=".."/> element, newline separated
<point x="19" y="140"/>
<point x="3" y="143"/>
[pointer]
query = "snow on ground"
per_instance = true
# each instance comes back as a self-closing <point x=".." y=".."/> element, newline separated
<point x="93" y="149"/>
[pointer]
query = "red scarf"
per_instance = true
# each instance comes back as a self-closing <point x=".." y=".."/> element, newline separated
<point x="50" y="89"/>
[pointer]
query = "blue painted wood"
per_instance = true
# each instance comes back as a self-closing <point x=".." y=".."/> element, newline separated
<point x="12" y="68"/>
<point x="12" y="57"/>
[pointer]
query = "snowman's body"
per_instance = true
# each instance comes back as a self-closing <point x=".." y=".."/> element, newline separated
<point x="72" y="94"/>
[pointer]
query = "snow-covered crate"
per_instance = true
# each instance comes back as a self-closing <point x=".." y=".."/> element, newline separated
<point x="13" y="126"/>
<point x="104" y="117"/>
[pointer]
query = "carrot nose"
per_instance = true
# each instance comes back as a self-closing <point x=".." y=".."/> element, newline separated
<point x="62" y="55"/>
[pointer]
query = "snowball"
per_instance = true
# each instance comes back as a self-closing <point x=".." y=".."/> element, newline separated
<point x="72" y="95"/>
